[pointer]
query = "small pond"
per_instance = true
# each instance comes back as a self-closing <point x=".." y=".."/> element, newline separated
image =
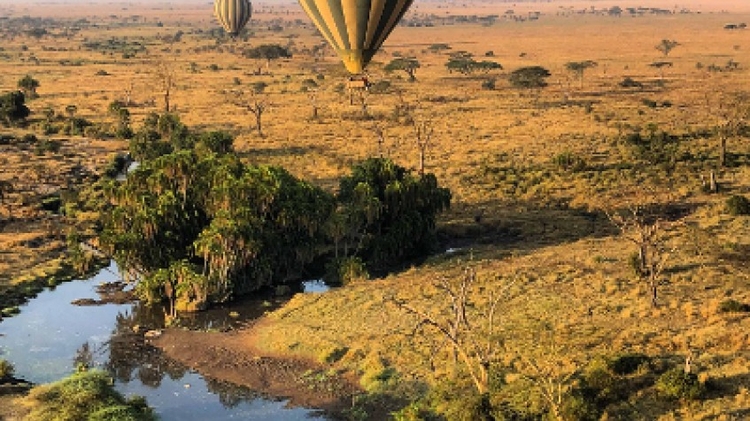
<point x="51" y="336"/>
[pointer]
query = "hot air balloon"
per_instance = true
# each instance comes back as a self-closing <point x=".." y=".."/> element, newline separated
<point x="356" y="28"/>
<point x="233" y="14"/>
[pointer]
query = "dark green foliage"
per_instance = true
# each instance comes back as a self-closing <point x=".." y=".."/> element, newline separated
<point x="44" y="146"/>
<point x="346" y="270"/>
<point x="86" y="395"/>
<point x="386" y="213"/>
<point x="569" y="161"/>
<point x="52" y="203"/>
<point x="626" y="364"/>
<point x="738" y="205"/>
<point x="29" y="86"/>
<point x="733" y="306"/>
<point x="531" y="77"/>
<point x="580" y="406"/>
<point x="464" y="63"/>
<point x="654" y="148"/>
<point x="13" y="108"/>
<point x="201" y="226"/>
<point x="6" y="369"/>
<point x="629" y="82"/>
<point x="268" y="52"/>
<point x="489" y="84"/>
<point x="677" y="384"/>
<point x="405" y="64"/>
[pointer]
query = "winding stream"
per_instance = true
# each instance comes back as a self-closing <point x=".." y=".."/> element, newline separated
<point x="51" y="336"/>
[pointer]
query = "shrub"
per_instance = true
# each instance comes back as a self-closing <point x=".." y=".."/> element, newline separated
<point x="677" y="384"/>
<point x="627" y="363"/>
<point x="629" y="82"/>
<point x="733" y="306"/>
<point x="489" y="84"/>
<point x="569" y="161"/>
<point x="345" y="271"/>
<point x="86" y="395"/>
<point x="581" y="407"/>
<point x="6" y="369"/>
<point x="738" y="205"/>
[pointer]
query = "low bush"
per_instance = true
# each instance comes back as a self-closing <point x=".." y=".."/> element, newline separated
<point x="733" y="306"/>
<point x="85" y="395"/>
<point x="677" y="384"/>
<point x="6" y="369"/>
<point x="738" y="205"/>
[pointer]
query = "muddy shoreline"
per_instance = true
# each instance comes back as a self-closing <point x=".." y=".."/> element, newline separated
<point x="231" y="357"/>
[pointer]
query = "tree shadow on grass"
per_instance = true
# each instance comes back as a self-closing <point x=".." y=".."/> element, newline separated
<point x="522" y="226"/>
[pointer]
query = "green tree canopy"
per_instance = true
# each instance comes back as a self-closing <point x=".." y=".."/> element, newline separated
<point x="530" y="77"/>
<point x="29" y="86"/>
<point x="406" y="64"/>
<point x="386" y="213"/>
<point x="13" y="108"/>
<point x="268" y="52"/>
<point x="199" y="226"/>
<point x="463" y="62"/>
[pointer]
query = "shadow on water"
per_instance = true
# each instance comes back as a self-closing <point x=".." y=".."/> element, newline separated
<point x="51" y="336"/>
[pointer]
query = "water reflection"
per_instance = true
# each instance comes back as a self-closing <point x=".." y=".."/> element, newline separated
<point x="51" y="337"/>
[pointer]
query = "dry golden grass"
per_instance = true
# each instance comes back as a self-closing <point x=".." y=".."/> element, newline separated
<point x="573" y="272"/>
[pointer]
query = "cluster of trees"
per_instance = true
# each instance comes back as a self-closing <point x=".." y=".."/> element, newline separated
<point x="196" y="225"/>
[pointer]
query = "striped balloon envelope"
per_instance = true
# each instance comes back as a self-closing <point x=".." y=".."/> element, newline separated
<point x="356" y="28"/>
<point x="233" y="14"/>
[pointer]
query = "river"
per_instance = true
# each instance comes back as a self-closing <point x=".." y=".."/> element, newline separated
<point x="51" y="336"/>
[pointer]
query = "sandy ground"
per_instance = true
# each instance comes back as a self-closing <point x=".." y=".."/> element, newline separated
<point x="231" y="357"/>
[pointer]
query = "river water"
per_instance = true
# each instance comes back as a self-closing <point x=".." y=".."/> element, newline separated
<point x="50" y="336"/>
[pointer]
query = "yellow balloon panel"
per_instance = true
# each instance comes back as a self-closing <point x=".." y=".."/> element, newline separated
<point x="356" y="28"/>
<point x="233" y="15"/>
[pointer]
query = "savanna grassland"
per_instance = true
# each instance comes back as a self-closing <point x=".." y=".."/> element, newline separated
<point x="555" y="189"/>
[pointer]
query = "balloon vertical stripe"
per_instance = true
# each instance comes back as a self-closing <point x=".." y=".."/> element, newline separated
<point x="356" y="28"/>
<point x="233" y="15"/>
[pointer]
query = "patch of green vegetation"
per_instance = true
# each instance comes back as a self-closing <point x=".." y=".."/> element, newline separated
<point x="85" y="395"/>
<point x="677" y="384"/>
<point x="6" y="369"/>
<point x="738" y="205"/>
<point x="733" y="306"/>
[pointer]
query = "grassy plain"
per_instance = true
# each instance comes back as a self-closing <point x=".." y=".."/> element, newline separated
<point x="516" y="215"/>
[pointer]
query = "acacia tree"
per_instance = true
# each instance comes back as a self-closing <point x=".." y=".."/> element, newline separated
<point x="530" y="77"/>
<point x="661" y="65"/>
<point x="409" y="65"/>
<point x="29" y="85"/>
<point x="578" y="68"/>
<point x="666" y="46"/>
<point x="268" y="52"/>
<point x="13" y="108"/>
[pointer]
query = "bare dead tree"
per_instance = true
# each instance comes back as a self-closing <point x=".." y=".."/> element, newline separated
<point x="733" y="113"/>
<point x="549" y="371"/>
<point x="257" y="103"/>
<point x="423" y="131"/>
<point x="167" y="81"/>
<point x="640" y="225"/>
<point x="469" y="331"/>
<point x="312" y="96"/>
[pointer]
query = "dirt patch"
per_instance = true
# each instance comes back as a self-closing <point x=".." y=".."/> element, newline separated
<point x="231" y="357"/>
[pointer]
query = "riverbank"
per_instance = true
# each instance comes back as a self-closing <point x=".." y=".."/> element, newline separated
<point x="233" y="357"/>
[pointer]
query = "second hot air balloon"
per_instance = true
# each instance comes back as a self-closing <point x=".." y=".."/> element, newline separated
<point x="233" y="14"/>
<point x="356" y="28"/>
